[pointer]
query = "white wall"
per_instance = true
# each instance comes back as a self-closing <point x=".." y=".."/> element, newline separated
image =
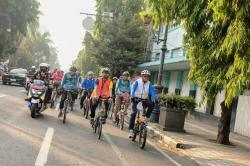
<point x="185" y="86"/>
<point x="217" y="108"/>
<point x="201" y="107"/>
<point x="172" y="83"/>
<point x="242" y="122"/>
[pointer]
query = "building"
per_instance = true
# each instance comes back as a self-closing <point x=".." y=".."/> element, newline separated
<point x="175" y="80"/>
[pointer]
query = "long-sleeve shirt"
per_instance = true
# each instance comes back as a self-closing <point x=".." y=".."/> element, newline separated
<point x="88" y="84"/>
<point x="143" y="89"/>
<point x="69" y="82"/>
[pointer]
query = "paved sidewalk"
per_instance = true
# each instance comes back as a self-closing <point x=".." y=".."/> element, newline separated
<point x="199" y="143"/>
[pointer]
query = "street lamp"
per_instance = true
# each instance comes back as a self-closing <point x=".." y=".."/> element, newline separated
<point x="158" y="40"/>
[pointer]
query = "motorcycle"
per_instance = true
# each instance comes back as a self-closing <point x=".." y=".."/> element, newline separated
<point x="36" y="97"/>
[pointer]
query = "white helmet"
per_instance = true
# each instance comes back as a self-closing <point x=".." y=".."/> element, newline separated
<point x="145" y="72"/>
<point x="105" y="70"/>
<point x="44" y="66"/>
<point x="33" y="67"/>
<point x="90" y="73"/>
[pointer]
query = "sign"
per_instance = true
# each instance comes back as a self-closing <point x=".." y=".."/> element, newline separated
<point x="88" y="24"/>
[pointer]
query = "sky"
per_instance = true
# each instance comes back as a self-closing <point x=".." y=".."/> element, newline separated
<point x="62" y="19"/>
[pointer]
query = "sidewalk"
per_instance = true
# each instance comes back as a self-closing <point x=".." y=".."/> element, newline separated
<point x="199" y="144"/>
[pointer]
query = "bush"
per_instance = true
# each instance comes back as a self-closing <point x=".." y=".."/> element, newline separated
<point x="178" y="103"/>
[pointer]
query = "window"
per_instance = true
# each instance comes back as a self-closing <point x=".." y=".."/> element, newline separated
<point x="177" y="91"/>
<point x="157" y="57"/>
<point x="178" y="52"/>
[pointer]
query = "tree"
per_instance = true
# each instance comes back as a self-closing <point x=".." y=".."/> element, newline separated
<point x="119" y="43"/>
<point x="16" y="15"/>
<point x="217" y="37"/>
<point x="85" y="60"/>
<point x="35" y="48"/>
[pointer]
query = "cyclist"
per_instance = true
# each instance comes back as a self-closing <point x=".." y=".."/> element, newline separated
<point x="103" y="90"/>
<point x="88" y="85"/>
<point x="122" y="89"/>
<point x="69" y="82"/>
<point x="141" y="90"/>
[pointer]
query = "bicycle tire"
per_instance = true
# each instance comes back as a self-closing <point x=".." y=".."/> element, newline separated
<point x="65" y="111"/>
<point x="99" y="129"/>
<point x="143" y="136"/>
<point x="122" y="122"/>
<point x="135" y="133"/>
<point x="95" y="126"/>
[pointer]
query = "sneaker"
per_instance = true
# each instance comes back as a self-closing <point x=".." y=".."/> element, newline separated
<point x="60" y="114"/>
<point x="131" y="133"/>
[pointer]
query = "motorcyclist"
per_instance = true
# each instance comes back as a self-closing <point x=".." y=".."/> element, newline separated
<point x="42" y="74"/>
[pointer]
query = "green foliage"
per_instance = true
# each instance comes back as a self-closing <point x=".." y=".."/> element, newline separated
<point x="35" y="48"/>
<point x="15" y="14"/>
<point x="177" y="102"/>
<point x="217" y="38"/>
<point x="85" y="60"/>
<point x="119" y="43"/>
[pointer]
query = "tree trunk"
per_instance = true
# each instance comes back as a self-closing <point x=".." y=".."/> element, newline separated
<point x="224" y="124"/>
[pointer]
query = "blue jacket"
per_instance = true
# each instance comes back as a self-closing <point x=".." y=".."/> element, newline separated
<point x="137" y="89"/>
<point x="88" y="84"/>
<point x="69" y="82"/>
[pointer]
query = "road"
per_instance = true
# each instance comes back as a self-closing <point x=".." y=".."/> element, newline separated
<point x="46" y="141"/>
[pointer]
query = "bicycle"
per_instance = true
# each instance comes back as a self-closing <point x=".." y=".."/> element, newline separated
<point x="121" y="114"/>
<point x="87" y="105"/>
<point x="100" y="119"/>
<point x="67" y="102"/>
<point x="55" y="94"/>
<point x="111" y="108"/>
<point x="140" y="127"/>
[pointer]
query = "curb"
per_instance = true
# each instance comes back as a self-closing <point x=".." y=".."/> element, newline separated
<point x="168" y="141"/>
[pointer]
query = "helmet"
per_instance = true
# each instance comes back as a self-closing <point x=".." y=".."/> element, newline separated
<point x="90" y="73"/>
<point x="145" y="72"/>
<point x="73" y="68"/>
<point x="125" y="73"/>
<point x="105" y="70"/>
<point x="115" y="78"/>
<point x="44" y="67"/>
<point x="33" y="67"/>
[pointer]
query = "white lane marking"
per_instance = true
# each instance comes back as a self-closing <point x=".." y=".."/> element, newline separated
<point x="164" y="154"/>
<point x="43" y="154"/>
<point x="116" y="150"/>
<point x="2" y="96"/>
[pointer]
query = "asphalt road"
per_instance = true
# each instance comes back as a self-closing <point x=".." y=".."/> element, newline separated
<point x="47" y="141"/>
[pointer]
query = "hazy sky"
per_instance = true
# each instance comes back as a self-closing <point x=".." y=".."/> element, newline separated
<point x="63" y="20"/>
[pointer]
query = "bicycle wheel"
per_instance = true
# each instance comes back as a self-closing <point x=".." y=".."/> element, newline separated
<point x="95" y="125"/>
<point x="135" y="133"/>
<point x="99" y="129"/>
<point x="86" y="112"/>
<point x="122" y="122"/>
<point x="143" y="136"/>
<point x="65" y="111"/>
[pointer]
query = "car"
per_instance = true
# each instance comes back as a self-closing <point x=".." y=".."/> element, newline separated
<point x="15" y="76"/>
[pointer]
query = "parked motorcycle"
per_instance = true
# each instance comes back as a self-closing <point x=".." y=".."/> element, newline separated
<point x="36" y="97"/>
